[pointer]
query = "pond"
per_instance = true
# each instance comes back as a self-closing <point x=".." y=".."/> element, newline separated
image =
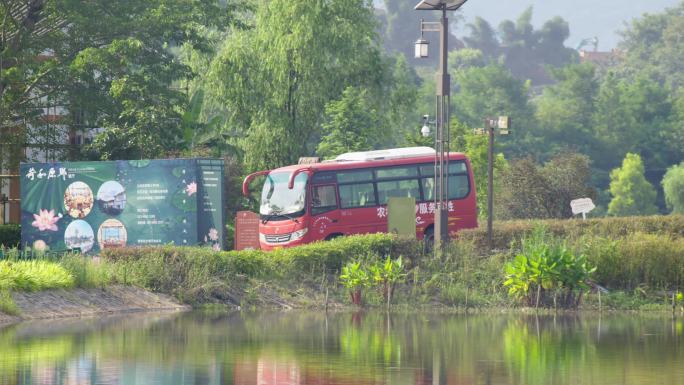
<point x="280" y="348"/>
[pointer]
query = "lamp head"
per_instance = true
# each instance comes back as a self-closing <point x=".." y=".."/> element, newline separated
<point x="421" y="48"/>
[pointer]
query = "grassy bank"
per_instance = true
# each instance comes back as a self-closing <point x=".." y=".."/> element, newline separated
<point x="35" y="275"/>
<point x="639" y="261"/>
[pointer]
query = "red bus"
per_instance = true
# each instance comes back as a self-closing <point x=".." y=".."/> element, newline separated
<point x="348" y="195"/>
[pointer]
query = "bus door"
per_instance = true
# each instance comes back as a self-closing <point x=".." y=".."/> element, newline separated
<point x="359" y="211"/>
<point x="325" y="216"/>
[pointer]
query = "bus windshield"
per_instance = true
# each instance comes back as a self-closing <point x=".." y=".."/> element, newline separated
<point x="277" y="199"/>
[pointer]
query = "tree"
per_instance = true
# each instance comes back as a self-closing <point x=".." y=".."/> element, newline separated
<point x="652" y="45"/>
<point x="530" y="191"/>
<point x="276" y="78"/>
<point x="673" y="186"/>
<point x="483" y="38"/>
<point x="466" y="58"/>
<point x="525" y="191"/>
<point x="521" y="49"/>
<point x="493" y="91"/>
<point x="568" y="176"/>
<point x="400" y="108"/>
<point x="108" y="61"/>
<point x="565" y="109"/>
<point x="351" y="124"/>
<point x="476" y="147"/>
<point x="632" y="194"/>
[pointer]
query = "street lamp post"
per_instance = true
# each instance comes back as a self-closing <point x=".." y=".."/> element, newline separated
<point x="441" y="187"/>
<point x="503" y="123"/>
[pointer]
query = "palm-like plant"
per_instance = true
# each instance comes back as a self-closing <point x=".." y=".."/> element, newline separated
<point x="387" y="274"/>
<point x="544" y="265"/>
<point x="354" y="278"/>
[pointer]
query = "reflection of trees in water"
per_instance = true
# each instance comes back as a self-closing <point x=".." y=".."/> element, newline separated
<point x="349" y="348"/>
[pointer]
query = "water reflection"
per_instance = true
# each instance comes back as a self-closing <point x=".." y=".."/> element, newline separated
<point x="354" y="349"/>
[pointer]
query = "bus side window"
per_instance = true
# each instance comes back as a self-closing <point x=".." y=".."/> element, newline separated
<point x="323" y="198"/>
<point x="357" y="195"/>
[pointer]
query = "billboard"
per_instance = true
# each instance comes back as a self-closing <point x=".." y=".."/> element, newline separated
<point x="97" y="205"/>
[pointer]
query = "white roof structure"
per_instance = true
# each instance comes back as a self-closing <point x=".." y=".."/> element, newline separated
<point x="394" y="153"/>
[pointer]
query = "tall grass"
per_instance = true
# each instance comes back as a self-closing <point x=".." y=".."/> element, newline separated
<point x="34" y="276"/>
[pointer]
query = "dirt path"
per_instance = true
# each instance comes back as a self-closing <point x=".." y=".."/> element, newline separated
<point x="87" y="303"/>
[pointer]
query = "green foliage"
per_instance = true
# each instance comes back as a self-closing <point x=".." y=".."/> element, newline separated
<point x="546" y="265"/>
<point x="645" y="261"/>
<point x="111" y="62"/>
<point x="476" y="148"/>
<point x="10" y="236"/>
<point x="651" y="44"/>
<point x="673" y="186"/>
<point x="87" y="271"/>
<point x="275" y="79"/>
<point x="354" y="277"/>
<point x="531" y="191"/>
<point x="7" y="304"/>
<point x="200" y="274"/>
<point x="34" y="275"/>
<point x="388" y="272"/>
<point x="509" y="232"/>
<point x="352" y="124"/>
<point x="565" y="110"/>
<point x="632" y="193"/>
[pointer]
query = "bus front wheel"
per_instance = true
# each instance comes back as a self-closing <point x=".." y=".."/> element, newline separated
<point x="333" y="236"/>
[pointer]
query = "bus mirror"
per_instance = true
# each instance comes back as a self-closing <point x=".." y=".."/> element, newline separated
<point x="290" y="183"/>
<point x="248" y="180"/>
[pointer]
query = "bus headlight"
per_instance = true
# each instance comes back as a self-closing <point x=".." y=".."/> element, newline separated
<point x="298" y="234"/>
<point x="262" y="237"/>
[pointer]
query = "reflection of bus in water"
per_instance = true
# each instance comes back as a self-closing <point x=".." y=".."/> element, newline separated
<point x="349" y="195"/>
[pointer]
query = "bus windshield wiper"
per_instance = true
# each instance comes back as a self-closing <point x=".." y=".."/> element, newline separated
<point x="293" y="219"/>
<point x="278" y="213"/>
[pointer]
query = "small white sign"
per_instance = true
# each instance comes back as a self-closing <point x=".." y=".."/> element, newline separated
<point x="582" y="206"/>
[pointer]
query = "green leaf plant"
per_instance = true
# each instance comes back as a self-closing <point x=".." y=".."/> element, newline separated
<point x="386" y="274"/>
<point x="355" y="278"/>
<point x="547" y="272"/>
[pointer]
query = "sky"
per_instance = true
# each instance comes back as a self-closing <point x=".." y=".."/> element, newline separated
<point x="587" y="18"/>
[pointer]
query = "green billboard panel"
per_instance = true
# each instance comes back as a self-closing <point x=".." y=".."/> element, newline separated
<point x="401" y="216"/>
<point x="97" y="205"/>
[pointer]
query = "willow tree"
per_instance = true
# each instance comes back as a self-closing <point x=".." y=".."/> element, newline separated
<point x="276" y="78"/>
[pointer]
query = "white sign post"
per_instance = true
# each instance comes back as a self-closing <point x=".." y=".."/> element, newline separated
<point x="582" y="205"/>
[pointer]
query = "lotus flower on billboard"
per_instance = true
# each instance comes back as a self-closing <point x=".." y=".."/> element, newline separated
<point x="191" y="188"/>
<point x="46" y="220"/>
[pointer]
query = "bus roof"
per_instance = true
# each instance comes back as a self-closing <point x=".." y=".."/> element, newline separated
<point x="391" y="157"/>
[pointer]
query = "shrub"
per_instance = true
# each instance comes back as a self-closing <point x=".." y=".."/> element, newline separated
<point x="87" y="272"/>
<point x="195" y="274"/>
<point x="10" y="236"/>
<point x="507" y="232"/>
<point x="654" y="261"/>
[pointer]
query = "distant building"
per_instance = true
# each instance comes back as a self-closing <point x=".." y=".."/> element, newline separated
<point x="599" y="58"/>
